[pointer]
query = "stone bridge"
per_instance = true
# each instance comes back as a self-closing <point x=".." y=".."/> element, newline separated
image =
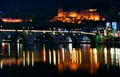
<point x="31" y="37"/>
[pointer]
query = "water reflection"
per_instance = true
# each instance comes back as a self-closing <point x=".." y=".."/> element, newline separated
<point x="66" y="57"/>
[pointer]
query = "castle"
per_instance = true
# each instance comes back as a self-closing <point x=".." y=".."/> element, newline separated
<point x="76" y="17"/>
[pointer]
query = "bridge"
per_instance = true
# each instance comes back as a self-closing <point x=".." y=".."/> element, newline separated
<point x="49" y="36"/>
<point x="44" y="31"/>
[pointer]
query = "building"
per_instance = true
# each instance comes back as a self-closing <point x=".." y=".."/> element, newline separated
<point x="74" y="16"/>
<point x="111" y="29"/>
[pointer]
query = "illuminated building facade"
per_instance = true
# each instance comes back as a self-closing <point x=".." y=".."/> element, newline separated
<point x="74" y="16"/>
<point x="111" y="29"/>
<point x="15" y="20"/>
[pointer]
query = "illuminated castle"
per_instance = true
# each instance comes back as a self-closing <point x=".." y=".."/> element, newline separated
<point x="74" y="16"/>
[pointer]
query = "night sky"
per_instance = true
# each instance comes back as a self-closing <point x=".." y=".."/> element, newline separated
<point x="53" y="5"/>
<point x="90" y="3"/>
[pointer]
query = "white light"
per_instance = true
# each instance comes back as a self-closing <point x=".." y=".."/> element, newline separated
<point x="1" y="64"/>
<point x="32" y="59"/>
<point x="28" y="58"/>
<point x="8" y="49"/>
<point x="18" y="48"/>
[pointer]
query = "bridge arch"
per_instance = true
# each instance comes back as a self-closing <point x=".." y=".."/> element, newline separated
<point x="65" y="38"/>
<point x="19" y="37"/>
<point x="5" y="35"/>
<point x="49" y="37"/>
<point x="44" y="37"/>
<point x="85" y="39"/>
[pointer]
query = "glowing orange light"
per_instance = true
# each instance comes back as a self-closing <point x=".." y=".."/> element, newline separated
<point x="14" y="20"/>
<point x="74" y="16"/>
<point x="74" y="66"/>
<point x="11" y="20"/>
<point x="30" y="20"/>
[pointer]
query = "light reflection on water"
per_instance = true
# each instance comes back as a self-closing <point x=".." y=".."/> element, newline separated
<point x="66" y="57"/>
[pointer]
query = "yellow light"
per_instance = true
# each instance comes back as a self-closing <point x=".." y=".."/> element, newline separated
<point x="28" y="58"/>
<point x="1" y="64"/>
<point x="53" y="32"/>
<point x="23" y="58"/>
<point x="58" y="57"/>
<point x="79" y="22"/>
<point x="95" y="55"/>
<point x="50" y="59"/>
<point x="80" y="54"/>
<point x="91" y="56"/>
<point x="73" y="14"/>
<point x="77" y="57"/>
<point x="74" y="56"/>
<point x="92" y="10"/>
<point x="3" y="44"/>
<point x="54" y="57"/>
<point x="118" y="56"/>
<point x="32" y="58"/>
<point x="105" y="55"/>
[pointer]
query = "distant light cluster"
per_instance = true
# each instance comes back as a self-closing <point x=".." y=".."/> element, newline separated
<point x="74" y="16"/>
<point x="15" y="20"/>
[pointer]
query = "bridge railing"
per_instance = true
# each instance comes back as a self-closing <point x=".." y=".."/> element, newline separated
<point x="45" y="31"/>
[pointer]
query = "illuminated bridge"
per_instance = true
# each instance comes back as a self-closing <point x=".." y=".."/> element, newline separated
<point x="44" y="31"/>
<point x="38" y="36"/>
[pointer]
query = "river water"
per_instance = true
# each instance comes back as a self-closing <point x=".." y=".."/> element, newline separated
<point x="44" y="59"/>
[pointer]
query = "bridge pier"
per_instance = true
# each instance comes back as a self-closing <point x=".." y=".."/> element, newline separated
<point x="30" y="47"/>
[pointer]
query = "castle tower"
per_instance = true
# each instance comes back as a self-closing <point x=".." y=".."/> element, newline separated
<point x="60" y="12"/>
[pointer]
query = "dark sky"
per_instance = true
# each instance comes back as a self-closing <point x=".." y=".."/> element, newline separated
<point x="28" y="4"/>
<point x="53" y="5"/>
<point x="89" y="3"/>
